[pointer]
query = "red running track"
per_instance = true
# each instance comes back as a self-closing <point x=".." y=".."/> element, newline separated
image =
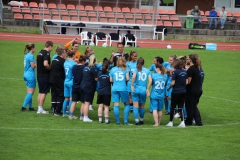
<point x="62" y="39"/>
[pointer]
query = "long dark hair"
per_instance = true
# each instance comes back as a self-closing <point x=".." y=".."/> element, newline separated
<point x="162" y="69"/>
<point x="195" y="59"/>
<point x="29" y="47"/>
<point x="159" y="60"/>
<point x="140" y="63"/>
<point x="130" y="57"/>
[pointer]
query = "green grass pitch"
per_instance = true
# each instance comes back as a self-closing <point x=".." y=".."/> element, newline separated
<point x="31" y="136"/>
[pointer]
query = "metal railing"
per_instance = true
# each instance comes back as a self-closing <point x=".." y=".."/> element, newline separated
<point x="1" y="12"/>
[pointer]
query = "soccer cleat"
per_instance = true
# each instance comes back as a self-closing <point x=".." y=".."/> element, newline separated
<point x="64" y="115"/>
<point x="107" y="122"/>
<point x="90" y="108"/>
<point x="23" y="109"/>
<point x="31" y="109"/>
<point x="42" y="112"/>
<point x="141" y="122"/>
<point x="81" y="118"/>
<point x="72" y="117"/>
<point x="182" y="124"/>
<point x="137" y="124"/>
<point x="170" y="124"/>
<point x="177" y="115"/>
<point x="87" y="120"/>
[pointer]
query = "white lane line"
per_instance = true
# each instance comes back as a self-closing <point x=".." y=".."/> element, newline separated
<point x="222" y="99"/>
<point x="16" y="79"/>
<point x="115" y="129"/>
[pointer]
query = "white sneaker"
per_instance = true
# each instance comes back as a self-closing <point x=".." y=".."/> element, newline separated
<point x="193" y="121"/>
<point x="81" y="118"/>
<point x="42" y="112"/>
<point x="177" y="115"/>
<point x="87" y="120"/>
<point x="170" y="124"/>
<point x="64" y="115"/>
<point x="182" y="124"/>
<point x="90" y="108"/>
<point x="72" y="117"/>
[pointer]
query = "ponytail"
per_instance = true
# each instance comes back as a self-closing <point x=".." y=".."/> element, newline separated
<point x="140" y="63"/>
<point x="162" y="69"/>
<point x="105" y="66"/>
<point x="29" y="47"/>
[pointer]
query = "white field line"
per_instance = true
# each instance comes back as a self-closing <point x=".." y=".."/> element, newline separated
<point x="223" y="99"/>
<point x="116" y="129"/>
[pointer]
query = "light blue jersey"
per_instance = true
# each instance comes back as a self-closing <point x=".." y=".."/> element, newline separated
<point x="131" y="66"/>
<point x="119" y="79"/>
<point x="153" y="66"/>
<point x="68" y="65"/>
<point x="29" y="72"/>
<point x="158" y="86"/>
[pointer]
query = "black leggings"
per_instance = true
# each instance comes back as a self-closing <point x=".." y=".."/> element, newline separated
<point x="177" y="100"/>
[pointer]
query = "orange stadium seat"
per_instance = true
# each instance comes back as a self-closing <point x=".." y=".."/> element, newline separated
<point x="18" y="16"/>
<point x="84" y="19"/>
<point x="25" y="4"/>
<point x="174" y="18"/>
<point x="149" y="22"/>
<point x="70" y="7"/>
<point x="102" y="15"/>
<point x="93" y="20"/>
<point x="152" y="11"/>
<point x="128" y="16"/>
<point x="28" y="17"/>
<point x="47" y="17"/>
<point x="117" y="9"/>
<point x="229" y="14"/>
<point x="171" y="12"/>
<point x="135" y="10"/>
<point x="42" y="5"/>
<point x="80" y="7"/>
<point x="120" y="16"/>
<point x="82" y="14"/>
<point x="125" y="10"/>
<point x="88" y="8"/>
<point x="122" y="21"/>
<point x="112" y="21"/>
<point x="26" y="10"/>
<point x="75" y="19"/>
<point x="56" y="18"/>
<point x="92" y="14"/>
<point x="107" y="9"/>
<point x="130" y="21"/>
<point x="204" y="19"/>
<point x="33" y="5"/>
<point x="202" y="13"/>
<point x="110" y="15"/>
<point x="236" y="14"/>
<point x="147" y="17"/>
<point x="162" y="11"/>
<point x="73" y="13"/>
<point x="144" y="11"/>
<point x="139" y="22"/>
<point x="52" y="6"/>
<point x="55" y="12"/>
<point x="167" y="24"/>
<point x="66" y="18"/>
<point x="62" y="6"/>
<point x="16" y="10"/>
<point x="165" y="18"/>
<point x="98" y="8"/>
<point x="35" y="11"/>
<point x="103" y="20"/>
<point x="63" y="12"/>
<point x="138" y="16"/>
<point x="159" y="23"/>
<point x="207" y="13"/>
<point x="177" y="24"/>
<point x="46" y="12"/>
<point x="156" y="17"/>
<point x="37" y="17"/>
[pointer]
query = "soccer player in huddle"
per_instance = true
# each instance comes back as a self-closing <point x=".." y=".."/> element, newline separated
<point x="179" y="82"/>
<point x="139" y="85"/>
<point x="77" y="72"/>
<point x="43" y="73"/>
<point x="119" y="75"/>
<point x="88" y="86"/>
<point x="29" y="75"/>
<point x="74" y="48"/>
<point x="68" y="65"/>
<point x="57" y="77"/>
<point x="104" y="92"/>
<point x="158" y="82"/>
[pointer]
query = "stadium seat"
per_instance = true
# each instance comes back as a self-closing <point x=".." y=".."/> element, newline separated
<point x="147" y="17"/>
<point x="138" y="16"/>
<point x="130" y="21"/>
<point x="25" y="4"/>
<point x="89" y="8"/>
<point x="80" y="7"/>
<point x="18" y="16"/>
<point x="149" y="22"/>
<point x="128" y="16"/>
<point x="75" y="19"/>
<point x="167" y="24"/>
<point x="55" y="12"/>
<point x="125" y="10"/>
<point x="112" y="20"/>
<point x="101" y="37"/>
<point x="16" y="10"/>
<point x="114" y="37"/>
<point x="117" y="9"/>
<point x="162" y="12"/>
<point x="56" y="18"/>
<point x="152" y="11"/>
<point x="46" y="12"/>
<point x="202" y="13"/>
<point x="42" y="5"/>
<point x="174" y="18"/>
<point x="165" y="18"/>
<point x="93" y="20"/>
<point x="71" y="7"/>
<point x="26" y="10"/>
<point x="92" y="14"/>
<point x="238" y="20"/>
<point x="110" y="15"/>
<point x="229" y="14"/>
<point x="120" y="16"/>
<point x="84" y="19"/>
<point x="102" y="15"/>
<point x="61" y="7"/>
<point x="156" y="17"/>
<point x="33" y="5"/>
<point x="28" y="17"/>
<point x="188" y="12"/>
<point x="103" y="20"/>
<point x="139" y="22"/>
<point x="35" y="11"/>
<point x="204" y="19"/>
<point x="73" y="13"/>
<point x="52" y="6"/>
<point x="155" y="34"/>
<point x="82" y="14"/>
<point x="122" y="21"/>
<point x="207" y="13"/>
<point x="98" y="8"/>
<point x="135" y="10"/>
<point x="37" y="17"/>
<point x="84" y="37"/>
<point x="107" y="9"/>
<point x="177" y="24"/>
<point x="159" y="23"/>
<point x="128" y="39"/>
<point x="66" y="18"/>
<point x="171" y="12"/>
<point x="144" y="11"/>
<point x="236" y="14"/>
<point x="47" y="17"/>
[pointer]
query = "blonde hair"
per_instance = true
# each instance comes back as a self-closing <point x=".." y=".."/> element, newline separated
<point x="121" y="63"/>
<point x="92" y="61"/>
<point x="87" y="50"/>
<point x="60" y="49"/>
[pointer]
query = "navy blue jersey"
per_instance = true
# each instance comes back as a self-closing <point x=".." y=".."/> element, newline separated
<point x="104" y="84"/>
<point x="180" y="76"/>
<point x="77" y="72"/>
<point x="88" y="82"/>
<point x="202" y="78"/>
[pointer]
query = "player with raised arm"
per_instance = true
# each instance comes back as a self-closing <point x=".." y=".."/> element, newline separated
<point x="29" y="75"/>
<point x="74" y="48"/>
<point x="119" y="76"/>
<point x="139" y="85"/>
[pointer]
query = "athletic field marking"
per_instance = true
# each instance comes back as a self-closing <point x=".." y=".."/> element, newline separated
<point x="222" y="99"/>
<point x="116" y="129"/>
<point x="16" y="79"/>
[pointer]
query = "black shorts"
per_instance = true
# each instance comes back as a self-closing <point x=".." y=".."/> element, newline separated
<point x="76" y="95"/>
<point x="87" y="96"/>
<point x="43" y="85"/>
<point x="104" y="99"/>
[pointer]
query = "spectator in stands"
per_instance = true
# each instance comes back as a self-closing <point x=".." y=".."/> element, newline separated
<point x="223" y="17"/>
<point x="213" y="17"/>
<point x="197" y="14"/>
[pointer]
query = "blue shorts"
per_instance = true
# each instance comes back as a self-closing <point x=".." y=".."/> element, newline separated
<point x="116" y="95"/>
<point x="43" y="84"/>
<point x="156" y="104"/>
<point x="67" y="89"/>
<point x="129" y="89"/>
<point x="139" y="96"/>
<point x="30" y="83"/>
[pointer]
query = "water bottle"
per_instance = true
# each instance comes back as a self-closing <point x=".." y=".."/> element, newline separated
<point x="140" y="35"/>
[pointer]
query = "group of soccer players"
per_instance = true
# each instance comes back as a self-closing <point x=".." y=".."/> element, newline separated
<point x="73" y="77"/>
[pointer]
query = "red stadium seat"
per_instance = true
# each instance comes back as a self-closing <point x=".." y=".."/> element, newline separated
<point x="33" y="5"/>
<point x="62" y="6"/>
<point x="28" y="17"/>
<point x="71" y="7"/>
<point x="18" y="16"/>
<point x="84" y="19"/>
<point x="177" y="24"/>
<point x="52" y="6"/>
